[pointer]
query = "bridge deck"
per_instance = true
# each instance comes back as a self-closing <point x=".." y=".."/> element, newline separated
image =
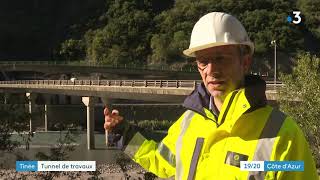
<point x="148" y="90"/>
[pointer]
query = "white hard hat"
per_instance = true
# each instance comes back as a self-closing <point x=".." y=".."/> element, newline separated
<point x="217" y="29"/>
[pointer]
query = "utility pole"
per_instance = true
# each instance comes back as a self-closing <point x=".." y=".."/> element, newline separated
<point x="273" y="42"/>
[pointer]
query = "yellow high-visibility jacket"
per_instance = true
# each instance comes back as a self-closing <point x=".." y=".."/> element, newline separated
<point x="204" y="145"/>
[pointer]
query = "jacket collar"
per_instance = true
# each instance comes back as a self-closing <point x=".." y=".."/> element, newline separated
<point x="255" y="88"/>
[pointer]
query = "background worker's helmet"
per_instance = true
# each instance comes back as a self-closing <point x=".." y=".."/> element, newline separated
<point x="217" y="29"/>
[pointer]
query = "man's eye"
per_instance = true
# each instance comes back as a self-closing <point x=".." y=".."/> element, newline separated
<point x="204" y="63"/>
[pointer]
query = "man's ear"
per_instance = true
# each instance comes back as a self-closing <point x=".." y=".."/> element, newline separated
<point x="246" y="63"/>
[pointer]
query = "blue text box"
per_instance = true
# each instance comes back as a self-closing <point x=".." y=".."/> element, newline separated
<point x="26" y="166"/>
<point x="283" y="165"/>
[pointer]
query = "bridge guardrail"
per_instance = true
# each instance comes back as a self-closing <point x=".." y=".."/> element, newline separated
<point x="125" y="83"/>
<point x="94" y="64"/>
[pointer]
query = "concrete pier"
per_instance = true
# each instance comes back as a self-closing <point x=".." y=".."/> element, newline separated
<point x="90" y="102"/>
<point x="31" y="98"/>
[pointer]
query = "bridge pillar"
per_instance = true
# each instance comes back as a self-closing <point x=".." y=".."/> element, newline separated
<point x="90" y="102"/>
<point x="45" y="117"/>
<point x="47" y="101"/>
<point x="6" y="98"/>
<point x="31" y="98"/>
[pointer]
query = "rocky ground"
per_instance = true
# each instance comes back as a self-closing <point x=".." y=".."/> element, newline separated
<point x="104" y="171"/>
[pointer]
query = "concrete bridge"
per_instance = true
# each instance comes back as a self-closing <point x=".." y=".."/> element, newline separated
<point x="173" y="91"/>
<point x="147" y="90"/>
<point x="70" y="67"/>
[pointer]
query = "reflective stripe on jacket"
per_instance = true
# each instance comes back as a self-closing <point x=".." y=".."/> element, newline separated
<point x="200" y="145"/>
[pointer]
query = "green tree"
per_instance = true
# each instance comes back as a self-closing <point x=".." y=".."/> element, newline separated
<point x="13" y="119"/>
<point x="173" y="30"/>
<point x="310" y="10"/>
<point x="73" y="49"/>
<point x="300" y="98"/>
<point x="311" y="20"/>
<point x="135" y="32"/>
<point x="125" y="39"/>
<point x="59" y="152"/>
<point x="264" y="21"/>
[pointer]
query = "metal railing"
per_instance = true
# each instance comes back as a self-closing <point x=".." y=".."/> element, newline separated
<point x="95" y="64"/>
<point x="124" y="83"/>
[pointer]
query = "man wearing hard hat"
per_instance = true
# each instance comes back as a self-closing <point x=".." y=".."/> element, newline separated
<point x="227" y="118"/>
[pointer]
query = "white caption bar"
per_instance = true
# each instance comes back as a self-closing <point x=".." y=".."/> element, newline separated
<point x="251" y="165"/>
<point x="66" y="165"/>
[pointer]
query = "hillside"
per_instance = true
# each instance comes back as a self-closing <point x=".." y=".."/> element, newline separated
<point x="148" y="31"/>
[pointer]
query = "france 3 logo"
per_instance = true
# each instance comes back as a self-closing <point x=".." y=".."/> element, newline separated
<point x="295" y="17"/>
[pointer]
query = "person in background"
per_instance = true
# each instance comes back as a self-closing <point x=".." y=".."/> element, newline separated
<point x="227" y="119"/>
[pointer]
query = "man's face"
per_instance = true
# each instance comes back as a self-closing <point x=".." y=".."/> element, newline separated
<point x="222" y="69"/>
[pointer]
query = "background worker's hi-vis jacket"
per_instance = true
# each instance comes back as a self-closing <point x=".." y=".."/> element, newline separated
<point x="202" y="145"/>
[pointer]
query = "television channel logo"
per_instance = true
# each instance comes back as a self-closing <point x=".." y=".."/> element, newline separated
<point x="294" y="17"/>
